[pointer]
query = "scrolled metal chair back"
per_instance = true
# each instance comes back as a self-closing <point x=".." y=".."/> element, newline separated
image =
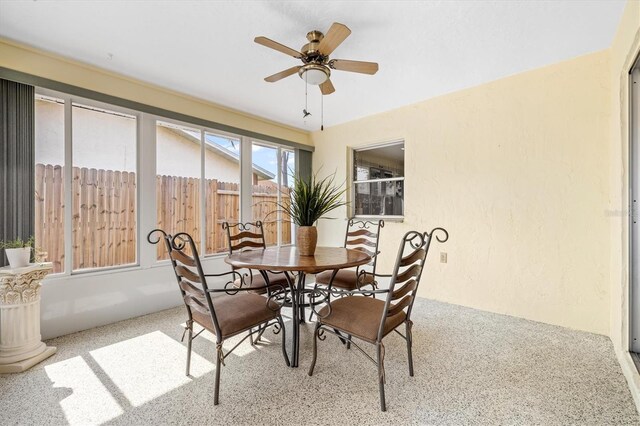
<point x="407" y="272"/>
<point x="248" y="235"/>
<point x="364" y="235"/>
<point x="189" y="274"/>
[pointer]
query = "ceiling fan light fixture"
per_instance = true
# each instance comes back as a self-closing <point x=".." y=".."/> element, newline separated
<point x="314" y="74"/>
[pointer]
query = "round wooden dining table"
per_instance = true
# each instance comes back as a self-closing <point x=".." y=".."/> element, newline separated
<point x="288" y="259"/>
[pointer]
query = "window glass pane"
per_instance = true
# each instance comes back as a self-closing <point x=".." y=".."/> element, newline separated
<point x="103" y="187"/>
<point x="222" y="173"/>
<point x="265" y="190"/>
<point x="379" y="163"/>
<point x="178" y="182"/>
<point x="379" y="198"/>
<point x="49" y="180"/>
<point x="287" y="172"/>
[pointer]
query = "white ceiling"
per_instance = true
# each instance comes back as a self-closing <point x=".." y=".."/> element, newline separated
<point x="206" y="49"/>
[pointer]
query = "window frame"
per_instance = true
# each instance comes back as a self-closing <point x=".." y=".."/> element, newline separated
<point x="279" y="148"/>
<point x="354" y="182"/>
<point x="69" y="101"/>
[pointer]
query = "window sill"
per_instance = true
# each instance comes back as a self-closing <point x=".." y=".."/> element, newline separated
<point x="398" y="219"/>
<point x="87" y="273"/>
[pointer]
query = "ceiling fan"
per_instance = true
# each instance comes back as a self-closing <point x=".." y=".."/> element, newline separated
<point x="317" y="66"/>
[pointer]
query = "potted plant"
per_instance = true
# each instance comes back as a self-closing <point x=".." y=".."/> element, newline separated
<point x="311" y="199"/>
<point x="18" y="251"/>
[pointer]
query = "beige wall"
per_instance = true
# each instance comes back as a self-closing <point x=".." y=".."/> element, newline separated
<point x="516" y="170"/>
<point x="32" y="61"/>
<point x="624" y="50"/>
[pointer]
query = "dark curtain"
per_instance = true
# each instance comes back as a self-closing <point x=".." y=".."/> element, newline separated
<point x="17" y="161"/>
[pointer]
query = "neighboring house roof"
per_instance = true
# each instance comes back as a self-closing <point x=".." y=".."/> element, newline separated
<point x="263" y="174"/>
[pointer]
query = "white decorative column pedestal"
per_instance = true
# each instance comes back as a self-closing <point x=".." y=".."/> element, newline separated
<point x="20" y="344"/>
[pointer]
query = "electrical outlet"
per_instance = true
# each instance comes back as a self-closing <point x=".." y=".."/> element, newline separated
<point x="443" y="257"/>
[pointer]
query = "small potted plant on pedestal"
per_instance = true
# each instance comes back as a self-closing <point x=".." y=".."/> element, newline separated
<point x="18" y="251"/>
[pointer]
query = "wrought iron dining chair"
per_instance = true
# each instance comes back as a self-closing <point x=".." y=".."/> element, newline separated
<point x="370" y="319"/>
<point x="231" y="312"/>
<point x="248" y="236"/>
<point x="362" y="235"/>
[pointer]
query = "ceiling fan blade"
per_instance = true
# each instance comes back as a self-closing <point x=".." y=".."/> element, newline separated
<point x="354" y="66"/>
<point x="277" y="46"/>
<point x="327" y="87"/>
<point x="282" y="74"/>
<point x="336" y="35"/>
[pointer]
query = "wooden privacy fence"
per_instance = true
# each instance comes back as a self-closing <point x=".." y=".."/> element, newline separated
<point x="104" y="214"/>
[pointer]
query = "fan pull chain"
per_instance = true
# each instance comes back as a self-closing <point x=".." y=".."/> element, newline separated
<point x="321" y="112"/>
<point x="305" y="113"/>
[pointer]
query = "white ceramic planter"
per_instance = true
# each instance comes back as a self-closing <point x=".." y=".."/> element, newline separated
<point x="18" y="257"/>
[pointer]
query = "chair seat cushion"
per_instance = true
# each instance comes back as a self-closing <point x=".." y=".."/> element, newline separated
<point x="359" y="316"/>
<point x="236" y="313"/>
<point x="275" y="280"/>
<point x="345" y="278"/>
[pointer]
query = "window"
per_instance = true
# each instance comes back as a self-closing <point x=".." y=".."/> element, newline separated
<point x="98" y="181"/>
<point x="273" y="169"/>
<point x="103" y="187"/>
<point x="49" y="179"/>
<point x="178" y="181"/>
<point x="222" y="188"/>
<point x="378" y="180"/>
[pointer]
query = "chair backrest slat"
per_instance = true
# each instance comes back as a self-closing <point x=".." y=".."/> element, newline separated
<point x="183" y="258"/>
<point x="248" y="243"/>
<point x="411" y="272"/>
<point x="188" y="274"/>
<point x="245" y="234"/>
<point x="191" y="289"/>
<point x="403" y="303"/>
<point x="405" y="289"/>
<point x="408" y="260"/>
<point x="362" y="241"/>
<point x="363" y="232"/>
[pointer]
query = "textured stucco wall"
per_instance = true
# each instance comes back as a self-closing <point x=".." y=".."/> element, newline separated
<point x="517" y="172"/>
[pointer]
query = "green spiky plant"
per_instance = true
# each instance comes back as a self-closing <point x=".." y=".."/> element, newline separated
<point x="311" y="199"/>
<point x="17" y="243"/>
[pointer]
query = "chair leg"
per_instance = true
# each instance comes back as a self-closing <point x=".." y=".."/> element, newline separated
<point x="216" y="392"/>
<point x="261" y="330"/>
<point x="315" y="348"/>
<point x="381" y="378"/>
<point x="189" y="339"/>
<point x="409" y="325"/>
<point x="348" y="341"/>
<point x="284" y="341"/>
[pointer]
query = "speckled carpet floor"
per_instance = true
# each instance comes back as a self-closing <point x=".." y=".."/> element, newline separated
<point x="472" y="367"/>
